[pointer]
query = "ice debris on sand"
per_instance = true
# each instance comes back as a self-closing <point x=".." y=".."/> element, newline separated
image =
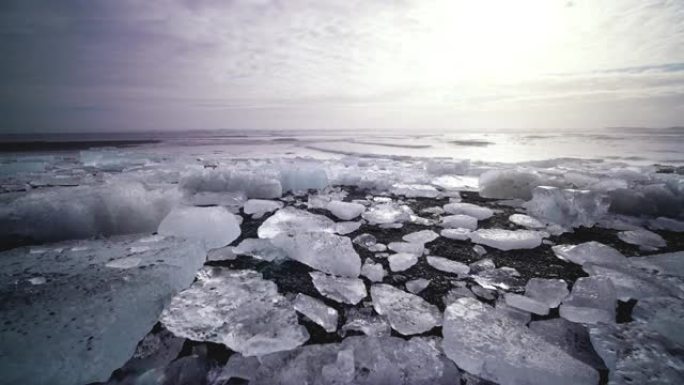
<point x="407" y="313"/>
<point x="566" y="207"/>
<point x="237" y="308"/>
<point x="592" y="300"/>
<point x="478" y="212"/>
<point x="592" y="251"/>
<point x="447" y="265"/>
<point x="422" y="237"/>
<point x="507" y="239"/>
<point x="402" y="261"/>
<point x="317" y="311"/>
<point x="330" y="253"/>
<point x="340" y="289"/>
<point x="345" y="210"/>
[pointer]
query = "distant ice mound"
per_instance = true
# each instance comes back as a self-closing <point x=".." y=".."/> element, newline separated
<point x="62" y="213"/>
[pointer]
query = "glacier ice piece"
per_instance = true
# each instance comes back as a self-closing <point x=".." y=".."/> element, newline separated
<point x="363" y="320"/>
<point x="642" y="237"/>
<point x="632" y="283"/>
<point x="507" y="239"/>
<point x="415" y="286"/>
<point x="387" y="213"/>
<point x="407" y="313"/>
<point x="486" y="342"/>
<point x="459" y="221"/>
<point x="237" y="308"/>
<point x="475" y="211"/>
<point x="406" y="247"/>
<point x="548" y="291"/>
<point x="345" y="210"/>
<point x="573" y="338"/>
<point x="479" y="250"/>
<point x="213" y="226"/>
<point x="526" y="221"/>
<point x="365" y="240"/>
<point x="482" y="265"/>
<point x="340" y="289"/>
<point x="260" y="249"/>
<point x="290" y="221"/>
<point x="567" y="207"/>
<point x="591" y="301"/>
<point x="373" y="271"/>
<point x="506" y="278"/>
<point x="260" y="184"/>
<point x="592" y="251"/>
<point x="447" y="265"/>
<point x="85" y="309"/>
<point x="526" y="303"/>
<point x="317" y="311"/>
<point x="422" y="237"/>
<point x="414" y="190"/>
<point x="302" y="175"/>
<point x="323" y="251"/>
<point x="402" y="261"/>
<point x="458" y="234"/>
<point x="259" y="207"/>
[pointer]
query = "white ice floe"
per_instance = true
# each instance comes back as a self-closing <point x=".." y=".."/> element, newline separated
<point x="345" y="210"/>
<point x="83" y="308"/>
<point x="643" y="238"/>
<point x="422" y="237"/>
<point x="373" y="271"/>
<point x="478" y="212"/>
<point x="458" y="234"/>
<point x="387" y="213"/>
<point x="592" y="300"/>
<point x="507" y="239"/>
<point x="550" y="292"/>
<point x="213" y="226"/>
<point x="459" y="221"/>
<point x="259" y="248"/>
<point x="447" y="265"/>
<point x="237" y="308"/>
<point x="290" y="221"/>
<point x="592" y="252"/>
<point x="323" y="251"/>
<point x="317" y="311"/>
<point x="259" y="207"/>
<point x="340" y="289"/>
<point x="406" y="247"/>
<point x="415" y="286"/>
<point x="488" y="343"/>
<point x="407" y="313"/>
<point x="414" y="190"/>
<point x="526" y="221"/>
<point x="566" y="207"/>
<point x="402" y="261"/>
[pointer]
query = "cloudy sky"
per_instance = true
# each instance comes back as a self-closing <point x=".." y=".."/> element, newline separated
<point x="119" y="65"/>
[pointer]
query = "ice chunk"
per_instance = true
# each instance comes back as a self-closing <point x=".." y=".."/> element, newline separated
<point x="526" y="221"/>
<point x="347" y="227"/>
<point x="482" y="265"/>
<point x="303" y="175"/>
<point x="568" y="208"/>
<point x="422" y="237"/>
<point x="85" y="309"/>
<point x="316" y="311"/>
<point x="340" y="289"/>
<point x="457" y="183"/>
<point x="508" y="184"/>
<point x="415" y="286"/>
<point x="362" y="320"/>
<point x="359" y="360"/>
<point x="326" y="252"/>
<point x="475" y="211"/>
<point x="237" y="308"/>
<point x="507" y="239"/>
<point x="459" y="221"/>
<point x="667" y="224"/>
<point x="260" y="249"/>
<point x="666" y="264"/>
<point x="488" y="343"/>
<point x="373" y="271"/>
<point x="526" y="303"/>
<point x="414" y="190"/>
<point x="261" y="184"/>
<point x="572" y="338"/>
<point x="642" y="237"/>
<point x="453" y="294"/>
<point x="664" y="315"/>
<point x="405" y="247"/>
<point x="291" y="221"/>
<point x="213" y="226"/>
<point x="447" y="265"/>
<point x="407" y="313"/>
<point x="592" y="251"/>
<point x="479" y="250"/>
<point x="631" y="283"/>
<point x="402" y="261"/>
<point x="221" y="254"/>
<point x="458" y="234"/>
<point x="547" y="291"/>
<point x="345" y="210"/>
<point x="207" y="198"/>
<point x="506" y="278"/>
<point x="239" y="366"/>
<point x="486" y="294"/>
<point x="365" y="240"/>
<point x="591" y="301"/>
<point x="387" y="213"/>
<point x="259" y="207"/>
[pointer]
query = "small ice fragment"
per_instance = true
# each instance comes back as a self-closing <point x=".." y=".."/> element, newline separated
<point x="458" y="234"/>
<point x="526" y="221"/>
<point x="340" y="289"/>
<point x="290" y="220"/>
<point x="568" y="208"/>
<point x="259" y="207"/>
<point x="482" y="265"/>
<point x="323" y="251"/>
<point x="387" y="213"/>
<point x="459" y="221"/>
<point x="365" y="240"/>
<point x="479" y="250"/>
<point x="407" y="313"/>
<point x="643" y="238"/>
<point x="415" y="286"/>
<point x="548" y="291"/>
<point x="260" y="249"/>
<point x="405" y="247"/>
<point x="526" y="303"/>
<point x="124" y="263"/>
<point x="316" y="311"/>
<point x="362" y="320"/>
<point x="345" y="210"/>
<point x="402" y="261"/>
<point x="214" y="226"/>
<point x="422" y="237"/>
<point x="373" y="271"/>
<point x="447" y="265"/>
<point x="37" y="280"/>
<point x="592" y="251"/>
<point x="592" y="300"/>
<point x="478" y="212"/>
<point x="507" y="239"/>
<point x="414" y="190"/>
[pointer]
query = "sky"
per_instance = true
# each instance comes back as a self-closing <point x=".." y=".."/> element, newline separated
<point x="124" y="65"/>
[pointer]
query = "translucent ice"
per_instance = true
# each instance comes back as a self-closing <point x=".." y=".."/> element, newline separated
<point x="547" y="291"/>
<point x="405" y="247"/>
<point x="407" y="313"/>
<point x="643" y="238"/>
<point x="84" y="308"/>
<point x="402" y="261"/>
<point x="261" y="184"/>
<point x="260" y="249"/>
<point x="345" y="210"/>
<point x="458" y="234"/>
<point x="323" y="251"/>
<point x="387" y="213"/>
<point x="340" y="289"/>
<point x="414" y="190"/>
<point x="507" y="239"/>
<point x="415" y="286"/>
<point x="505" y="278"/>
<point x="591" y="301"/>
<point x="459" y="221"/>
<point x="592" y="251"/>
<point x="259" y="207"/>
<point x="488" y="343"/>
<point x="506" y="184"/>
<point x="422" y="237"/>
<point x="447" y="265"/>
<point x="573" y="338"/>
<point x="363" y="320"/>
<point x="213" y="226"/>
<point x="478" y="212"/>
<point x="566" y="207"/>
<point x="526" y="221"/>
<point x="237" y="308"/>
<point x="526" y="303"/>
<point x="373" y="271"/>
<point x="291" y="221"/>
<point x="316" y="311"/>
